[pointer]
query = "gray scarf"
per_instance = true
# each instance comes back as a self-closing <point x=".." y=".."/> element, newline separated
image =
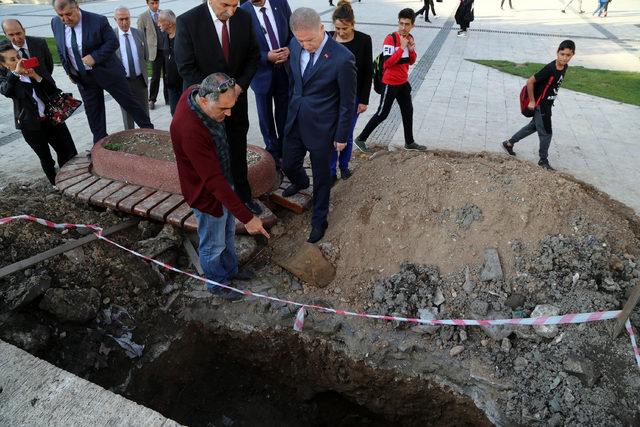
<point x="219" y="134"/>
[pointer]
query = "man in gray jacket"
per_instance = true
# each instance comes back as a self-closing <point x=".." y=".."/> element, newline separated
<point x="133" y="54"/>
<point x="157" y="46"/>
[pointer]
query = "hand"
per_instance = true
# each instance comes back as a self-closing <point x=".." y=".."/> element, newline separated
<point x="404" y="42"/>
<point x="273" y="56"/>
<point x="31" y="73"/>
<point x="237" y="89"/>
<point x="285" y="53"/>
<point x="255" y="227"/>
<point x="20" y="69"/>
<point x="339" y="146"/>
<point x="88" y="60"/>
<point x="412" y="45"/>
<point x="532" y="105"/>
<point x="362" y="108"/>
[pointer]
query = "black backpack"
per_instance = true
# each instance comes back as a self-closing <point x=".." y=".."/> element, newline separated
<point x="378" y="64"/>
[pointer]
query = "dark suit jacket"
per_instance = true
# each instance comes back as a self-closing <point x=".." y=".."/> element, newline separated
<point x="38" y="48"/>
<point x="25" y="108"/>
<point x="323" y="104"/>
<point x="99" y="41"/>
<point x="198" y="51"/>
<point x="261" y="82"/>
<point x="141" y="47"/>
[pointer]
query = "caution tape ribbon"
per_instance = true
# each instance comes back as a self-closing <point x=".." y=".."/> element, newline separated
<point x="299" y="319"/>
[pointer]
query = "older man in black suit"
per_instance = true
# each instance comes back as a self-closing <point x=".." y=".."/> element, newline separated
<point x="218" y="37"/>
<point x="87" y="45"/>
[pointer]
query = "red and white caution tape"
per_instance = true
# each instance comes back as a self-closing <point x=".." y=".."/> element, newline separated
<point x="299" y="320"/>
<point x="634" y="343"/>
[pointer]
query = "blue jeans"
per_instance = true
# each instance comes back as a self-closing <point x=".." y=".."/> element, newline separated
<point x="217" y="247"/>
<point x="345" y="155"/>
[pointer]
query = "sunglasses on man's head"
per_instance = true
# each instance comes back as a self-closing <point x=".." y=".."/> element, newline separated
<point x="222" y="87"/>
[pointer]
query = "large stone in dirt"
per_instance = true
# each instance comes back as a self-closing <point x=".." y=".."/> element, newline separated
<point x="582" y="368"/>
<point x="168" y="238"/>
<point x="309" y="265"/>
<point x="544" y="310"/>
<point x="22" y="293"/>
<point x="246" y="247"/>
<point x="492" y="269"/>
<point x="501" y="332"/>
<point x="75" y="305"/>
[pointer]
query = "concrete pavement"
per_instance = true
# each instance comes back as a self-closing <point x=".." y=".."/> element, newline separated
<point x="458" y="104"/>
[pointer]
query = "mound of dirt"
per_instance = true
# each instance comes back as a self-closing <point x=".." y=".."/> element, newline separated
<point x="444" y="209"/>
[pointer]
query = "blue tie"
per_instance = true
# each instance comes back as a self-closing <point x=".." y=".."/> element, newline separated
<point x="307" y="69"/>
<point x="76" y="53"/>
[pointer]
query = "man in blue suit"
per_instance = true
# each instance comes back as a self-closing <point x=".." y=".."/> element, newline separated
<point x="87" y="45"/>
<point x="322" y="78"/>
<point x="270" y="84"/>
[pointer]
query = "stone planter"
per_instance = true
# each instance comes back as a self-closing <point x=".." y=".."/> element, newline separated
<point x="163" y="174"/>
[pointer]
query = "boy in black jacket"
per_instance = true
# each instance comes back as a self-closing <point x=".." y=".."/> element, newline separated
<point x="543" y="89"/>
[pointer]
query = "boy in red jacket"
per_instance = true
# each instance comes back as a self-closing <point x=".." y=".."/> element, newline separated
<point x="398" y="52"/>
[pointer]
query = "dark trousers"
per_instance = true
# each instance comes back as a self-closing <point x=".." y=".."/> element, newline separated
<point x="425" y="9"/>
<point x="59" y="138"/>
<point x="175" y="92"/>
<point x="541" y="123"/>
<point x="272" y="126"/>
<point x="293" y="153"/>
<point x="237" y="126"/>
<point x="390" y="93"/>
<point x="92" y="93"/>
<point x="139" y="91"/>
<point x="159" y="69"/>
<point x="502" y="4"/>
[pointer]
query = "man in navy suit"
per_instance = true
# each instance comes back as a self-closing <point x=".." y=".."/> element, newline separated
<point x="271" y="82"/>
<point x="323" y="84"/>
<point x="87" y="45"/>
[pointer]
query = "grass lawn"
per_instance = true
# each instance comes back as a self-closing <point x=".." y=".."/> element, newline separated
<point x="622" y="86"/>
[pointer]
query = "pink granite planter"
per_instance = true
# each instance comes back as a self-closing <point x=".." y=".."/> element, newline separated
<point x="163" y="174"/>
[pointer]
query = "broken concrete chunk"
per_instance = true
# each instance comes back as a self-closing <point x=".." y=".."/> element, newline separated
<point x="20" y="294"/>
<point x="468" y="283"/>
<point x="492" y="269"/>
<point x="501" y="332"/>
<point x="582" y="368"/>
<point x="246" y="247"/>
<point x="438" y="298"/>
<point x="77" y="305"/>
<point x="309" y="265"/>
<point x="430" y="313"/>
<point x="456" y="350"/>
<point x="545" y="310"/>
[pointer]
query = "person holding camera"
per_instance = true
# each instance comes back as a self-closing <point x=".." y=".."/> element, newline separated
<point x="30" y="92"/>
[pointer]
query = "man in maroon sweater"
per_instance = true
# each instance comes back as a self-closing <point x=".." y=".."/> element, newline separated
<point x="202" y="154"/>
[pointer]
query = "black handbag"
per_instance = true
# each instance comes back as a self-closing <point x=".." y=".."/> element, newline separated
<point x="60" y="107"/>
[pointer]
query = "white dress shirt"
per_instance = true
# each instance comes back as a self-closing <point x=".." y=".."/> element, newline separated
<point x="272" y="19"/>
<point x="218" y="24"/>
<point x="304" y="57"/>
<point x="67" y="42"/>
<point x="134" y="52"/>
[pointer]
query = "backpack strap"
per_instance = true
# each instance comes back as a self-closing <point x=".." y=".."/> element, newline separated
<point x="544" y="92"/>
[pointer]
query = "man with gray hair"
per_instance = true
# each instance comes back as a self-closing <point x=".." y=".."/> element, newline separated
<point x="204" y="169"/>
<point x="322" y="81"/>
<point x="133" y="55"/>
<point x="167" y="23"/>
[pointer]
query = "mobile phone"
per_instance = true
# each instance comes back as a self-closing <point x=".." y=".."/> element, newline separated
<point x="31" y="62"/>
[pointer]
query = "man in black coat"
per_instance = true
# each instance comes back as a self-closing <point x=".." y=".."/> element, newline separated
<point x="218" y="37"/>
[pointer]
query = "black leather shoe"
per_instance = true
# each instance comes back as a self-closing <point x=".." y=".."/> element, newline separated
<point x="316" y="235"/>
<point x="293" y="189"/>
<point x="345" y="173"/>
<point x="254" y="207"/>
